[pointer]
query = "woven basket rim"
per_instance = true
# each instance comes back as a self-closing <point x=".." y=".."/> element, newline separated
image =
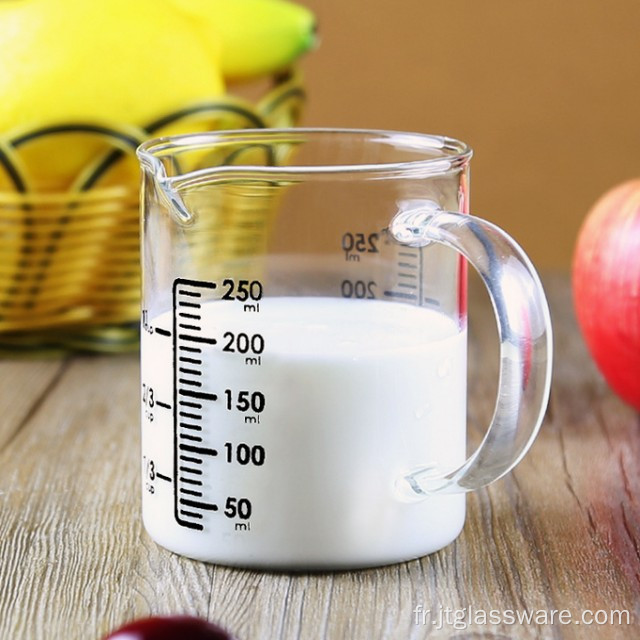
<point x="69" y="198"/>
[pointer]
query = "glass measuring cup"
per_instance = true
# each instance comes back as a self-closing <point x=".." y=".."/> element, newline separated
<point x="304" y="346"/>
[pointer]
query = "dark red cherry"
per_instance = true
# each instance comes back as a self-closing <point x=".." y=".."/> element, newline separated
<point x="170" y="628"/>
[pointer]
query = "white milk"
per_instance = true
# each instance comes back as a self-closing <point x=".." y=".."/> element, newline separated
<point x="357" y="393"/>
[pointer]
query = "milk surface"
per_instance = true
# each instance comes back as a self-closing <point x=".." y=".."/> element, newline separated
<point x="356" y="394"/>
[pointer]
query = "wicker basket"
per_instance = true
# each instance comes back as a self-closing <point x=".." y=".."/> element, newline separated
<point x="69" y="273"/>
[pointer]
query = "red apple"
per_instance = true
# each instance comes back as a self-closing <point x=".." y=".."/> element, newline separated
<point x="170" y="628"/>
<point x="606" y="287"/>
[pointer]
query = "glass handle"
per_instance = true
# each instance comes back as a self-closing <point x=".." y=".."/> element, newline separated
<point x="524" y="330"/>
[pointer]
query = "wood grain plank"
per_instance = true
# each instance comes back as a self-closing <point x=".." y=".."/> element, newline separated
<point x="66" y="488"/>
<point x="25" y="384"/>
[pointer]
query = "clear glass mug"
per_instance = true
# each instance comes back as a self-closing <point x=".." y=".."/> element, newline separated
<point x="304" y="346"/>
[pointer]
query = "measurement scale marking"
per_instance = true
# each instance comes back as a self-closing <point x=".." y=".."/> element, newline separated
<point x="195" y="372"/>
<point x="190" y="459"/>
<point x="189" y="481"/>
<point x="193" y="383"/>
<point x="191" y="514"/>
<point x="201" y="395"/>
<point x="203" y="450"/>
<point x="186" y="403"/>
<point x="408" y="265"/>
<point x="400" y="294"/>
<point x="407" y="254"/>
<point x="412" y="276"/>
<point x="407" y="285"/>
<point x="421" y="272"/>
<point x="164" y="405"/>
<point x="192" y="427"/>
<point x="189" y="342"/>
<point x="186" y="436"/>
<point x="162" y="332"/>
<point x="198" y="505"/>
<point x="161" y="476"/>
<point x="188" y="492"/>
<point x="188" y="338"/>
<point x="185" y="282"/>
<point x="186" y="414"/>
<point x="196" y="472"/>
<point x="191" y="327"/>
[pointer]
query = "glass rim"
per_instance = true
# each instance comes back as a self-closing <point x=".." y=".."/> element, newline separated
<point x="453" y="154"/>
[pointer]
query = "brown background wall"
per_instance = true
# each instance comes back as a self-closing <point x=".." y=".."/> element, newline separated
<point x="547" y="92"/>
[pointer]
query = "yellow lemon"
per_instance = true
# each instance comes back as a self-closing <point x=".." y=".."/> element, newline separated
<point x="113" y="62"/>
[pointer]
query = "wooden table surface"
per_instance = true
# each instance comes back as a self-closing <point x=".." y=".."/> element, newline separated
<point x="560" y="533"/>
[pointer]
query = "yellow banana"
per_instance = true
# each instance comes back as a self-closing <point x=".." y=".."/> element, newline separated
<point x="256" y="36"/>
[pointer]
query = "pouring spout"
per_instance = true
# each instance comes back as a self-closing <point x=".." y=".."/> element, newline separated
<point x="156" y="171"/>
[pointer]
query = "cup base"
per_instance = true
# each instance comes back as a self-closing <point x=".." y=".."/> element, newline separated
<point x="369" y="553"/>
